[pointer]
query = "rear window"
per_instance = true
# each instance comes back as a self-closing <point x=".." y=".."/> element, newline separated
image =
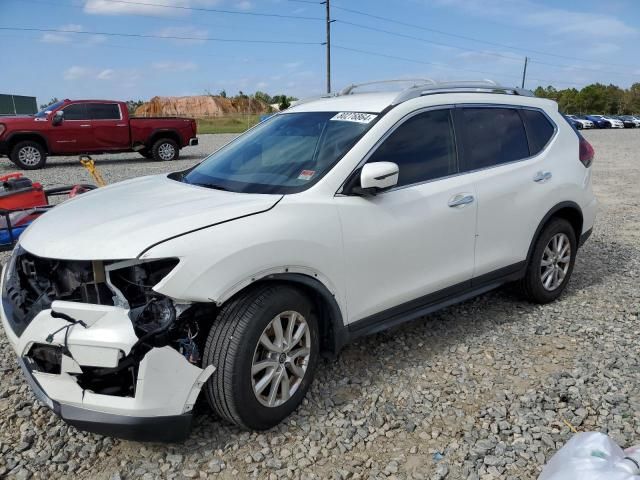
<point x="492" y="136"/>
<point x="539" y="129"/>
<point x="104" y="111"/>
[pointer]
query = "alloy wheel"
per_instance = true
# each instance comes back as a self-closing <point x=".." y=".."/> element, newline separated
<point x="166" y="151"/>
<point x="556" y="259"/>
<point x="29" y="156"/>
<point x="281" y="358"/>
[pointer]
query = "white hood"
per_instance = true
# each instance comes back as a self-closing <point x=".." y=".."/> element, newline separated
<point x="122" y="220"/>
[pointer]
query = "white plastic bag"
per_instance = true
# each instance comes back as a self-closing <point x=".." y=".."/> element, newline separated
<point x="593" y="456"/>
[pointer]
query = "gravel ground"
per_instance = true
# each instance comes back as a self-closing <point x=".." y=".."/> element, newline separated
<point x="482" y="390"/>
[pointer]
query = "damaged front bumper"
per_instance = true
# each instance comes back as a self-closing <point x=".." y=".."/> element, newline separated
<point x="93" y="375"/>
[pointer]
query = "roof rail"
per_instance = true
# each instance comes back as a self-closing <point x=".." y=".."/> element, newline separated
<point x="417" y="82"/>
<point x="472" y="86"/>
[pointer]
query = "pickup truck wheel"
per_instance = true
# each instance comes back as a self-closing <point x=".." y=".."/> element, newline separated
<point x="165" y="150"/>
<point x="264" y="345"/>
<point x="28" y="155"/>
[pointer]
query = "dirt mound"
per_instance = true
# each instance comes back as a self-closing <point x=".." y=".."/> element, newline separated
<point x="199" y="106"/>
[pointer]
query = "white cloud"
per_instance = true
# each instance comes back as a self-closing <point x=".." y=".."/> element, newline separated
<point x="76" y="73"/>
<point x="60" y="37"/>
<point x="106" y="7"/>
<point x="169" y="66"/>
<point x="603" y="48"/>
<point x="533" y="14"/>
<point x="106" y="74"/>
<point x="244" y="5"/>
<point x="194" y="35"/>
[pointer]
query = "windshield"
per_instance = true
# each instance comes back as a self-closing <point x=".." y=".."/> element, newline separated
<point x="43" y="113"/>
<point x="285" y="154"/>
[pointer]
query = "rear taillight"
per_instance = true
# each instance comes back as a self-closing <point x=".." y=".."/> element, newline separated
<point x="194" y="125"/>
<point x="2" y="129"/>
<point x="586" y="152"/>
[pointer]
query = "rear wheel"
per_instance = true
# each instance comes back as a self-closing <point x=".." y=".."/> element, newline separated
<point x="165" y="150"/>
<point x="551" y="262"/>
<point x="264" y="345"/>
<point x="28" y="155"/>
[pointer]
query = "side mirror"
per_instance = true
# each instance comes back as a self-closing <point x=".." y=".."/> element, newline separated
<point x="58" y="117"/>
<point x="378" y="176"/>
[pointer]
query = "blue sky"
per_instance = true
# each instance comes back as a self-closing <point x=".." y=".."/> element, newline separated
<point x="570" y="43"/>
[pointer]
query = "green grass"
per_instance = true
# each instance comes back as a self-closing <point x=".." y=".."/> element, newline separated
<point x="235" y="124"/>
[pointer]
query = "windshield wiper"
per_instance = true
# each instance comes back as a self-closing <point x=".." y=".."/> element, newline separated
<point x="210" y="185"/>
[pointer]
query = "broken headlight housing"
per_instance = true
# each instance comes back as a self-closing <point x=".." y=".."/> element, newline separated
<point x="134" y="281"/>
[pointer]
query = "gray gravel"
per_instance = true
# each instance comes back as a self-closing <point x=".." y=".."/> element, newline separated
<point x="482" y="390"/>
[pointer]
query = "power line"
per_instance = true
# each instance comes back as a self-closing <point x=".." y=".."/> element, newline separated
<point x="163" y="37"/>
<point x="444" y="65"/>
<point x="441" y="44"/>
<point x="473" y="39"/>
<point x="483" y="52"/>
<point x="213" y="10"/>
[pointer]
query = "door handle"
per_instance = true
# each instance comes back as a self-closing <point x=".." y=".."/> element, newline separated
<point x="461" y="200"/>
<point x="121" y="125"/>
<point x="542" y="177"/>
<point x="85" y="125"/>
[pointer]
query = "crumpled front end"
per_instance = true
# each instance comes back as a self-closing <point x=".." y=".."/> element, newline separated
<point x="101" y="348"/>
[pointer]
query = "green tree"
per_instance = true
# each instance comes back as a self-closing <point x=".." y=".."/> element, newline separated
<point x="132" y="105"/>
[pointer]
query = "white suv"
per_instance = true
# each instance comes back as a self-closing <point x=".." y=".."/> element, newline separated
<point x="337" y="218"/>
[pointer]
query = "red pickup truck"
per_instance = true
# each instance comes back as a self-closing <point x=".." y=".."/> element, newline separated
<point x="72" y="127"/>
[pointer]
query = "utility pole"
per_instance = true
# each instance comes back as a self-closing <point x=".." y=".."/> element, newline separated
<point x="328" y="43"/>
<point x="524" y="72"/>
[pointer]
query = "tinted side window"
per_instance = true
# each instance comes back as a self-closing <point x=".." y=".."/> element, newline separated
<point x="492" y="136"/>
<point x="104" y="111"/>
<point x="77" y="111"/>
<point x="423" y="147"/>
<point x="539" y="129"/>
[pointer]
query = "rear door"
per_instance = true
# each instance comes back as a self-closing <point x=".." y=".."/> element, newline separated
<point x="505" y="155"/>
<point x="110" y="127"/>
<point x="74" y="134"/>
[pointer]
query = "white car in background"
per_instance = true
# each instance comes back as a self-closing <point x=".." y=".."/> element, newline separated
<point x="583" y="122"/>
<point x="337" y="218"/>
<point x="615" y="123"/>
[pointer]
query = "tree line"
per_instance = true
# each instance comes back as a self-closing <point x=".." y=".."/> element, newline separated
<point x="595" y="98"/>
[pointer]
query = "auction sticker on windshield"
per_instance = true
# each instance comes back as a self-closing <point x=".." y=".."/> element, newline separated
<point x="357" y="117"/>
<point x="306" y="174"/>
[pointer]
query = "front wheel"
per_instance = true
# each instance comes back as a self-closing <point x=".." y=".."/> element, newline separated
<point x="28" y="155"/>
<point x="165" y="150"/>
<point x="264" y="345"/>
<point x="551" y="262"/>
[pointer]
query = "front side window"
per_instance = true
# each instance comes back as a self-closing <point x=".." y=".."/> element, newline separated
<point x="77" y="111"/>
<point x="104" y="111"/>
<point x="285" y="154"/>
<point x="492" y="136"/>
<point x="47" y="110"/>
<point x="423" y="147"/>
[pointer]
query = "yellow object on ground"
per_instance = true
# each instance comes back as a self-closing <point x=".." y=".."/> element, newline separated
<point x="88" y="163"/>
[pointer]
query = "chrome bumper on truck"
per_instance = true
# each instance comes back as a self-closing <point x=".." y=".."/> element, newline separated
<point x="90" y="375"/>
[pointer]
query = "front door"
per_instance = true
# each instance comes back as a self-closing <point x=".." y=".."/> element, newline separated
<point x="74" y="134"/>
<point x="415" y="242"/>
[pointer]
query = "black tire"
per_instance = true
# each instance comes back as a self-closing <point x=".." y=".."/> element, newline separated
<point x="161" y="147"/>
<point x="531" y="285"/>
<point x="28" y="155"/>
<point x="146" y="153"/>
<point x="231" y="345"/>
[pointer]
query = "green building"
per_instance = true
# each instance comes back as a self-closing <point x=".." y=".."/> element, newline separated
<point x="17" y="105"/>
